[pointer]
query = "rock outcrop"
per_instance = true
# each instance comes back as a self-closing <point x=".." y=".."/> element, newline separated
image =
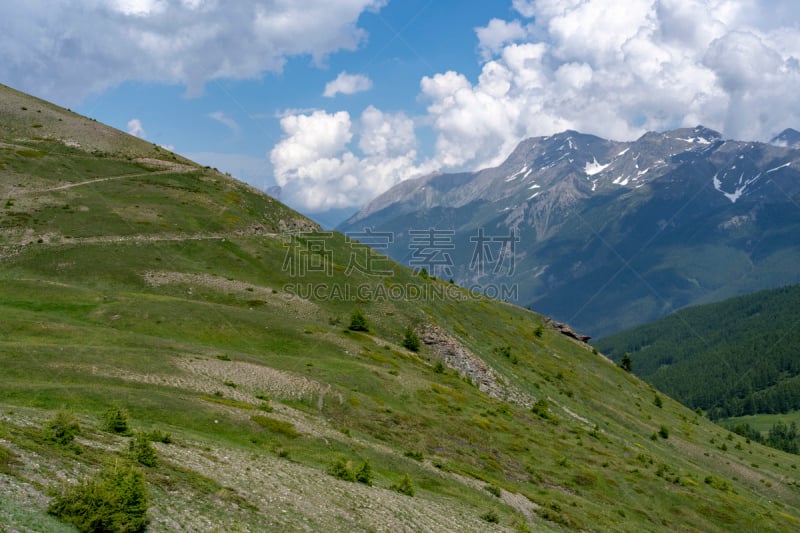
<point x="564" y="329"/>
<point x="455" y="355"/>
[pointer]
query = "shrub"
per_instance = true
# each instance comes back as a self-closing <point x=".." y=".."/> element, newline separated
<point x="62" y="428"/>
<point x="405" y="486"/>
<point x="364" y="474"/>
<point x="491" y="517"/>
<point x="417" y="456"/>
<point x="276" y="426"/>
<point x="718" y="483"/>
<point x="663" y="432"/>
<point x="626" y="363"/>
<point x="538" y="332"/>
<point x="439" y="367"/>
<point x="493" y="490"/>
<point x="541" y="408"/>
<point x="411" y="340"/>
<point x="8" y="460"/>
<point x="342" y="469"/>
<point x="505" y="351"/>
<point x="657" y="401"/>
<point x="142" y="451"/>
<point x="159" y="436"/>
<point x="114" y="500"/>
<point x="358" y="322"/>
<point x="116" y="421"/>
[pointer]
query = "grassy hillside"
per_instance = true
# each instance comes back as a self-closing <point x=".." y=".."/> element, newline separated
<point x="733" y="358"/>
<point x="132" y="279"/>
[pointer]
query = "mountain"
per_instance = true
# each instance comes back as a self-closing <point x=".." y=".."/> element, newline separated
<point x="788" y="137"/>
<point x="731" y="358"/>
<point x="602" y="234"/>
<point x="166" y="326"/>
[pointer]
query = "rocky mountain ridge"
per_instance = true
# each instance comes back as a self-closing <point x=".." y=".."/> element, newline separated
<point x="587" y="209"/>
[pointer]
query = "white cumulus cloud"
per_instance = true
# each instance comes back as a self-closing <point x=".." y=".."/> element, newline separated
<point x="64" y="50"/>
<point x="136" y="129"/>
<point x="347" y="84"/>
<point x="618" y="69"/>
<point x="497" y="33"/>
<point x="614" y="69"/>
<point x="326" y="161"/>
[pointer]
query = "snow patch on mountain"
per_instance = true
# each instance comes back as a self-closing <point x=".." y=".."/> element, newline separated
<point x="780" y="167"/>
<point x="737" y="193"/>
<point x="518" y="174"/>
<point x="594" y="167"/>
<point x="694" y="140"/>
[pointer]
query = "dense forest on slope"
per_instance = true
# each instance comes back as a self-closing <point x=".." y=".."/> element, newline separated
<point x="732" y="358"/>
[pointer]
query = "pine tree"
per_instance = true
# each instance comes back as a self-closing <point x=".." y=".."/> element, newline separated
<point x="626" y="363"/>
<point x="411" y="340"/>
<point x="358" y="322"/>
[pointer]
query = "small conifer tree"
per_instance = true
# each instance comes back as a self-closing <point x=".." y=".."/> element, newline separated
<point x="114" y="500"/>
<point x="358" y="322"/>
<point x="411" y="340"/>
<point x="142" y="451"/>
<point x="626" y="363"/>
<point x="62" y="428"/>
<point x="116" y="421"/>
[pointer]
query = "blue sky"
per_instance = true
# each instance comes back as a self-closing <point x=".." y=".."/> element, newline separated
<point x="336" y="101"/>
<point x="406" y="40"/>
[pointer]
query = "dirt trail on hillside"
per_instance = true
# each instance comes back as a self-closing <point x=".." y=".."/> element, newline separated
<point x="97" y="180"/>
<point x="167" y="167"/>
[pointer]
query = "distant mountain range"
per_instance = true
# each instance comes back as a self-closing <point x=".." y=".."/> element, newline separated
<point x="604" y="234"/>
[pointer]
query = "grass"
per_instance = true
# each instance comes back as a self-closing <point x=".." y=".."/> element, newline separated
<point x="83" y="330"/>
<point x="764" y="422"/>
